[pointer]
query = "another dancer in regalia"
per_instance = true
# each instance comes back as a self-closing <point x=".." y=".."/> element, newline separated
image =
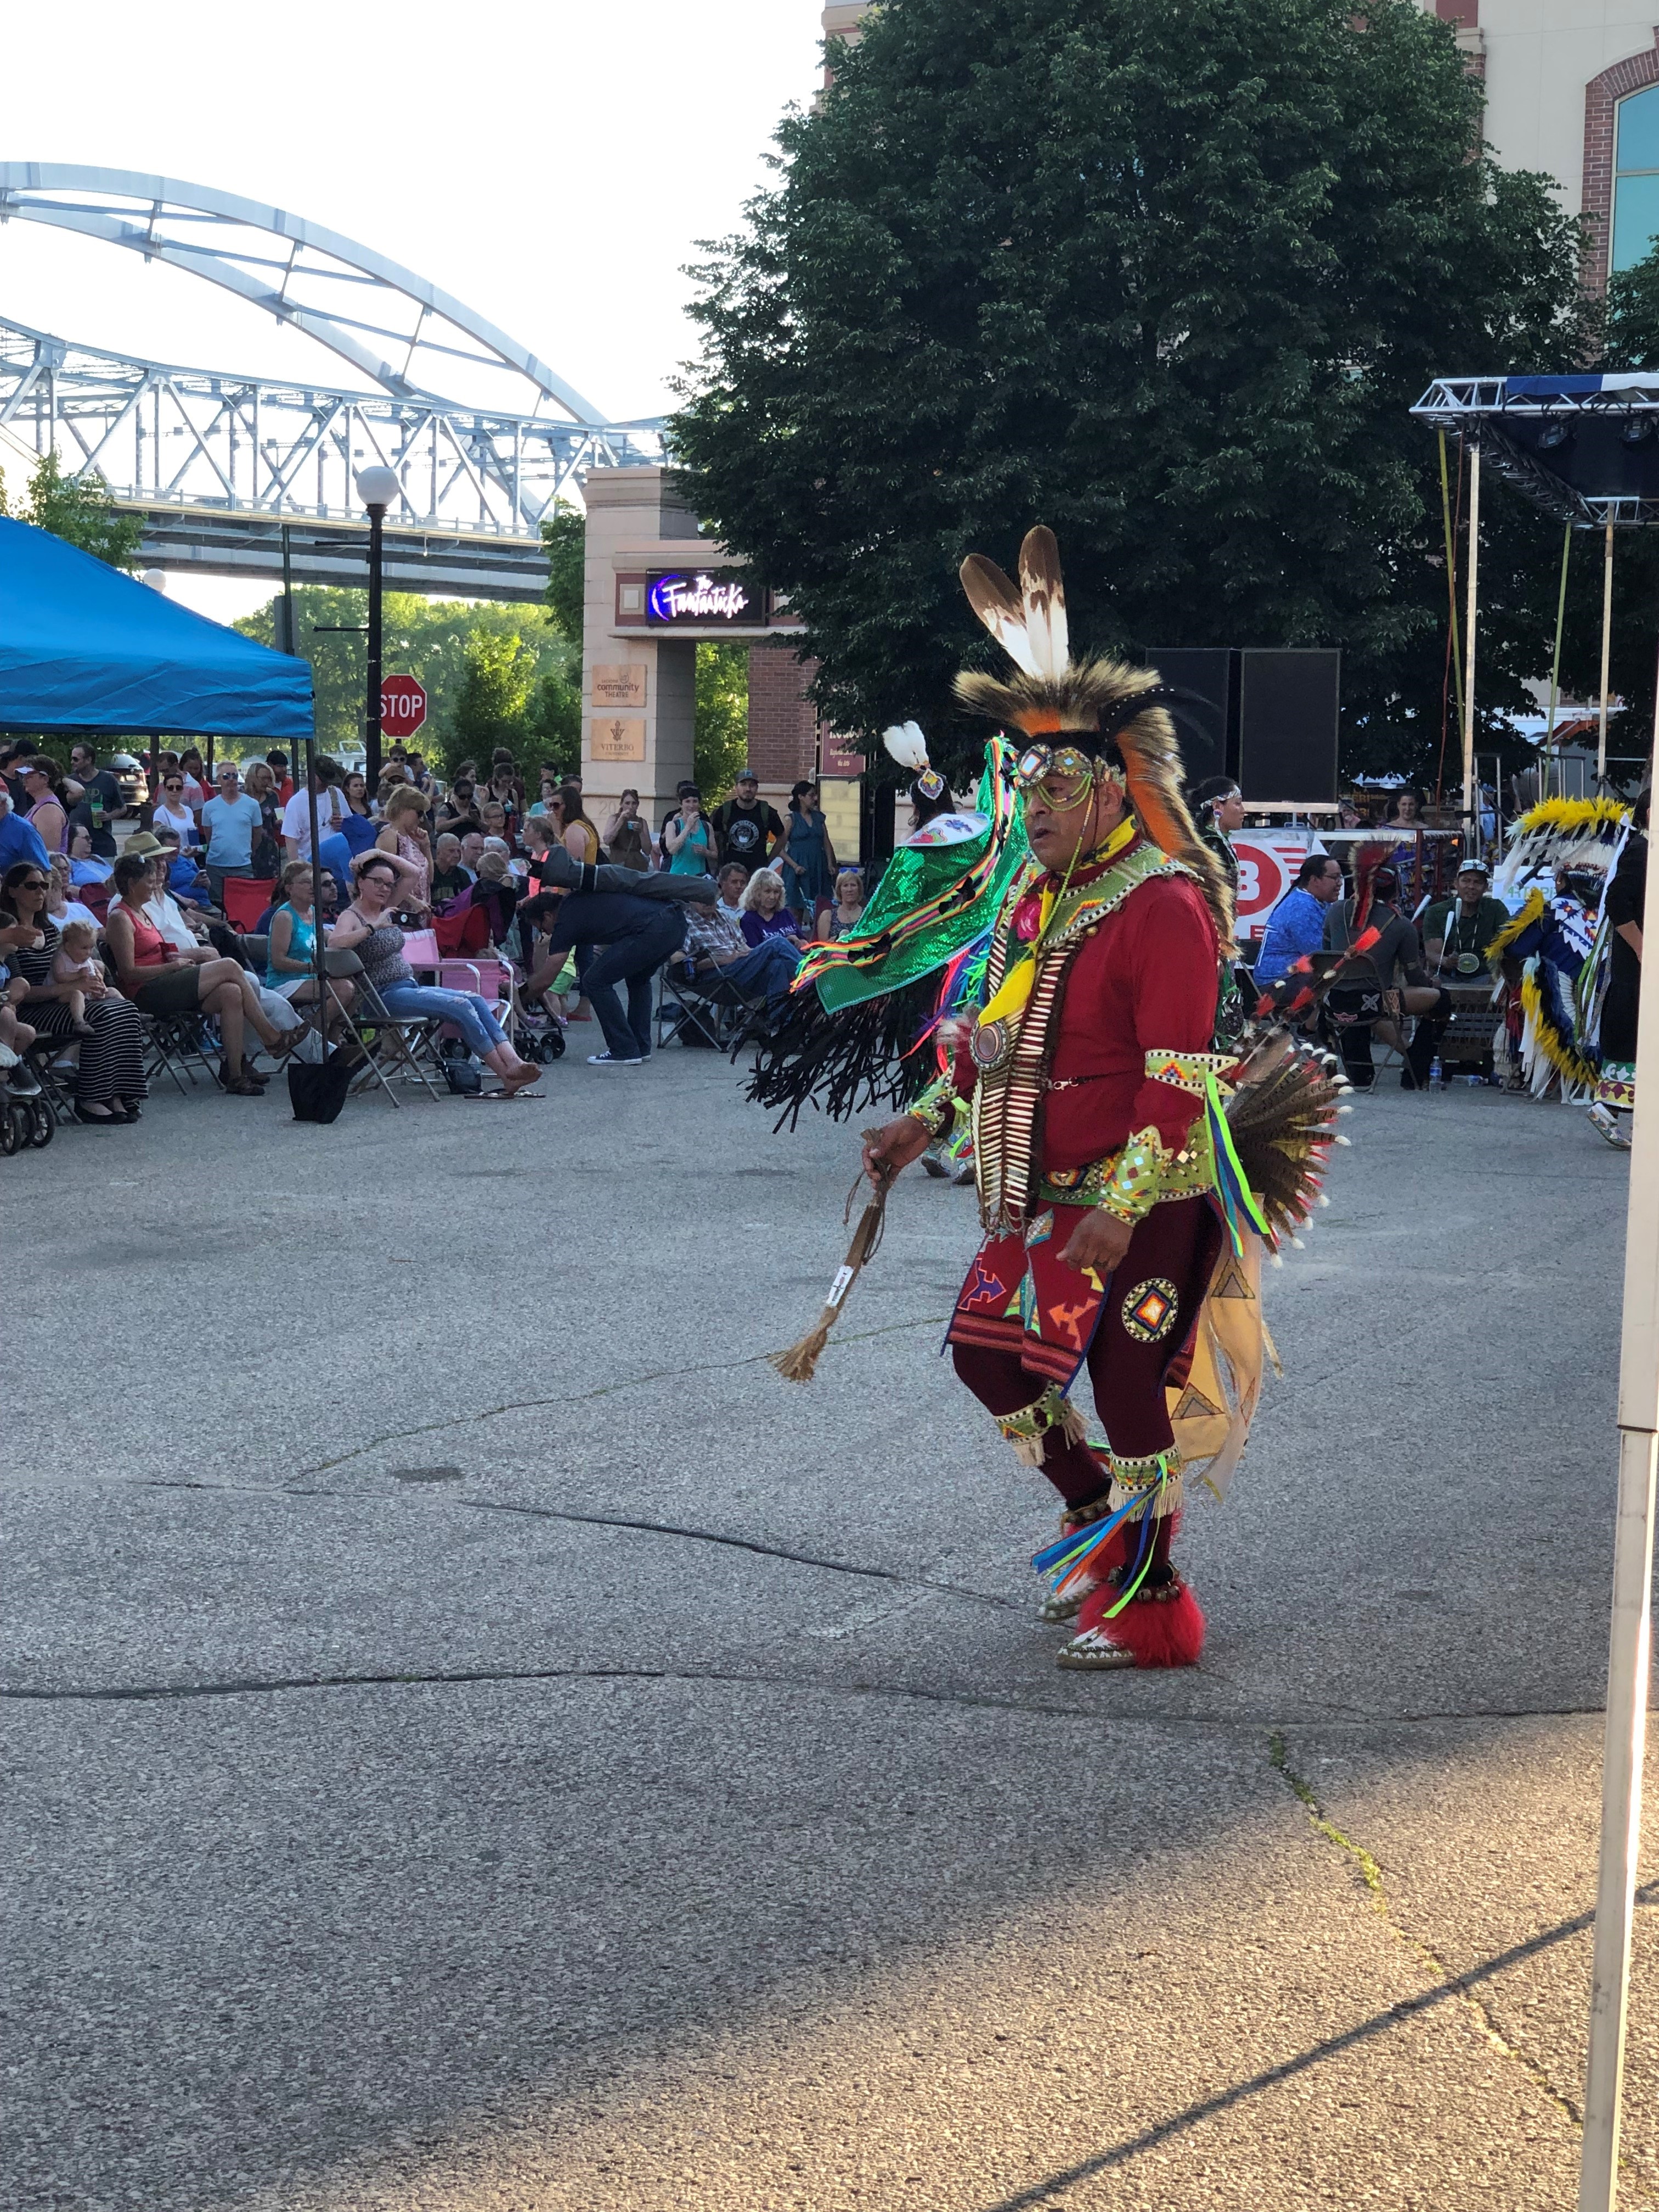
<point x="867" y="1010"/>
<point x="1128" y="1175"/>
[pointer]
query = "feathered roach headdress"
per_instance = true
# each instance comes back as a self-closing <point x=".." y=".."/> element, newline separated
<point x="1115" y="713"/>
<point x="1561" y="833"/>
<point x="1366" y="862"/>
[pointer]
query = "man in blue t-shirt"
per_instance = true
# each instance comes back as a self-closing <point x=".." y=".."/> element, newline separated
<point x="231" y="821"/>
<point x="1296" y="926"/>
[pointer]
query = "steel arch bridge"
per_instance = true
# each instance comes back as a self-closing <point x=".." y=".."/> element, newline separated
<point x="224" y="468"/>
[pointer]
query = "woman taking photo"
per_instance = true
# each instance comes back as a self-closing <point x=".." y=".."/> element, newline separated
<point x="458" y="813"/>
<point x="161" y="979"/>
<point x="808" y="857"/>
<point x="109" y="1081"/>
<point x="367" y="929"/>
<point x="291" y="948"/>
<point x="628" y="834"/>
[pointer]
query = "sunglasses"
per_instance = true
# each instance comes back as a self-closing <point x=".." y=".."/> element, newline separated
<point x="34" y="883"/>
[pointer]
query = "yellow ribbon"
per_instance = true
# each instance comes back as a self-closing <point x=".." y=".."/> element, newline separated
<point x="1013" y="993"/>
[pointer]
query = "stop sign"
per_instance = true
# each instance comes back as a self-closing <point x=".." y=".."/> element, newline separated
<point x="402" y="705"/>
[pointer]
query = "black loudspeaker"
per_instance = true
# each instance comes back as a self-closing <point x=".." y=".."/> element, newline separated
<point x="1288" y="708"/>
<point x="1207" y="725"/>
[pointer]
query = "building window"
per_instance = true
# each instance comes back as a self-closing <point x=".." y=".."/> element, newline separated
<point x="1636" y="179"/>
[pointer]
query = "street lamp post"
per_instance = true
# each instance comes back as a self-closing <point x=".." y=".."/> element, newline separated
<point x="377" y="487"/>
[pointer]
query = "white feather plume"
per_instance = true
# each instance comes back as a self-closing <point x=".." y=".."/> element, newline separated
<point x="908" y="746"/>
<point x="1044" y="595"/>
<point x="1000" y="608"/>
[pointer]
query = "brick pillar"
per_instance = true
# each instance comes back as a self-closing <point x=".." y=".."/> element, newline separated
<point x="783" y="723"/>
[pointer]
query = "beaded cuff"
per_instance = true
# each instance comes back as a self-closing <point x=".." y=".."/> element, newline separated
<point x="1151" y="1481"/>
<point x="1131" y="1189"/>
<point x="1027" y="1429"/>
<point x="935" y="1108"/>
<point x="1186" y="1071"/>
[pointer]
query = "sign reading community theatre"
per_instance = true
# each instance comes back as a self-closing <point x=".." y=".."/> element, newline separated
<point x="704" y="599"/>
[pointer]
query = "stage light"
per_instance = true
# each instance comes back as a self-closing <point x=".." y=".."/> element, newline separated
<point x="1637" y="430"/>
<point x="1554" y="436"/>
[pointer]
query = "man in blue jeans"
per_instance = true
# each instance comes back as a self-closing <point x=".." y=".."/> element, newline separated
<point x="634" y="936"/>
<point x="715" y="945"/>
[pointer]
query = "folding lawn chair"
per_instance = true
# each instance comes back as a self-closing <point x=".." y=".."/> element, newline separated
<point x="399" y="1047"/>
<point x="708" y="1009"/>
<point x="177" y="1043"/>
<point x="246" y="898"/>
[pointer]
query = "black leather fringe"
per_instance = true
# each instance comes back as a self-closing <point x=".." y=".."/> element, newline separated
<point x="843" y="1064"/>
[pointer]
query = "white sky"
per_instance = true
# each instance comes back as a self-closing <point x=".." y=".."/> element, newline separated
<point x="550" y="162"/>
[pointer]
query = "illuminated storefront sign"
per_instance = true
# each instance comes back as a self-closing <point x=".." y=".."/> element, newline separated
<point x="684" y="598"/>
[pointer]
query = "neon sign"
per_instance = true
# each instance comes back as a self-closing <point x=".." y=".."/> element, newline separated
<point x="679" y="597"/>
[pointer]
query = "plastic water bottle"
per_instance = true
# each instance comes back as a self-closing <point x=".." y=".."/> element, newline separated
<point x="1437" y="1074"/>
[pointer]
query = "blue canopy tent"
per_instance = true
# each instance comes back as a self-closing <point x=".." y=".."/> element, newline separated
<point x="87" y="652"/>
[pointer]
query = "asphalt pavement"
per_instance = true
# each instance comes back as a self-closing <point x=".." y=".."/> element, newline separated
<point x="476" y="1740"/>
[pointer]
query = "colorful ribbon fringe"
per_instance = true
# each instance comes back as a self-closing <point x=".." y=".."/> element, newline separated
<point x="1231" y="1186"/>
<point x="1065" y="1561"/>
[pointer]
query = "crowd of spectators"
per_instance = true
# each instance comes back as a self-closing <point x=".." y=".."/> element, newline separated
<point x="210" y="910"/>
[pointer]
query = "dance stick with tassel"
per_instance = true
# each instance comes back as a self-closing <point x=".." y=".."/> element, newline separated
<point x="800" y="1362"/>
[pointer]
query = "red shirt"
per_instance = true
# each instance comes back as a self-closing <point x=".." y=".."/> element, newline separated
<point x="1144" y="980"/>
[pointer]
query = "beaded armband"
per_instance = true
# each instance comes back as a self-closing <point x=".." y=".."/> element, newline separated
<point x="1186" y="1071"/>
<point x="1130" y="1191"/>
<point x="935" y="1109"/>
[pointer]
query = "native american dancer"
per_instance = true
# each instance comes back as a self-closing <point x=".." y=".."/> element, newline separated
<point x="865" y="1010"/>
<point x="1128" y="1175"/>
<point x="1610" y="987"/>
<point x="1546" y="953"/>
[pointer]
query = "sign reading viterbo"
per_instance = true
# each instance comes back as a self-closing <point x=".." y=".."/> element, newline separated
<point x="704" y="599"/>
<point x="618" y="738"/>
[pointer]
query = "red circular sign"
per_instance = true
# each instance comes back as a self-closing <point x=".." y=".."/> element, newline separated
<point x="402" y="705"/>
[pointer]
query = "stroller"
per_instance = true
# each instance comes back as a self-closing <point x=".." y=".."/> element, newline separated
<point x="26" y="1117"/>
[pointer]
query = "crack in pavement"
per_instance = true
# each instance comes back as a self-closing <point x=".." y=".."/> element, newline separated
<point x="1452" y="1986"/>
<point x="1448" y="1988"/>
<point x="972" y="1700"/>
<point x="605" y="1390"/>
<point x="1044" y="2193"/>
<point x="528" y="1511"/>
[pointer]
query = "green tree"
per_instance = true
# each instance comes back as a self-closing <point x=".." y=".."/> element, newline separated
<point x="553" y="729"/>
<point x="564" y="533"/>
<point x="78" y="508"/>
<point x="492" y="706"/>
<point x="1164" y="274"/>
<point x="426" y="638"/>
<point x="722" y="732"/>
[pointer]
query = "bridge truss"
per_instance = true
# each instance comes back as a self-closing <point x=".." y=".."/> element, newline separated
<point x="223" y="468"/>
